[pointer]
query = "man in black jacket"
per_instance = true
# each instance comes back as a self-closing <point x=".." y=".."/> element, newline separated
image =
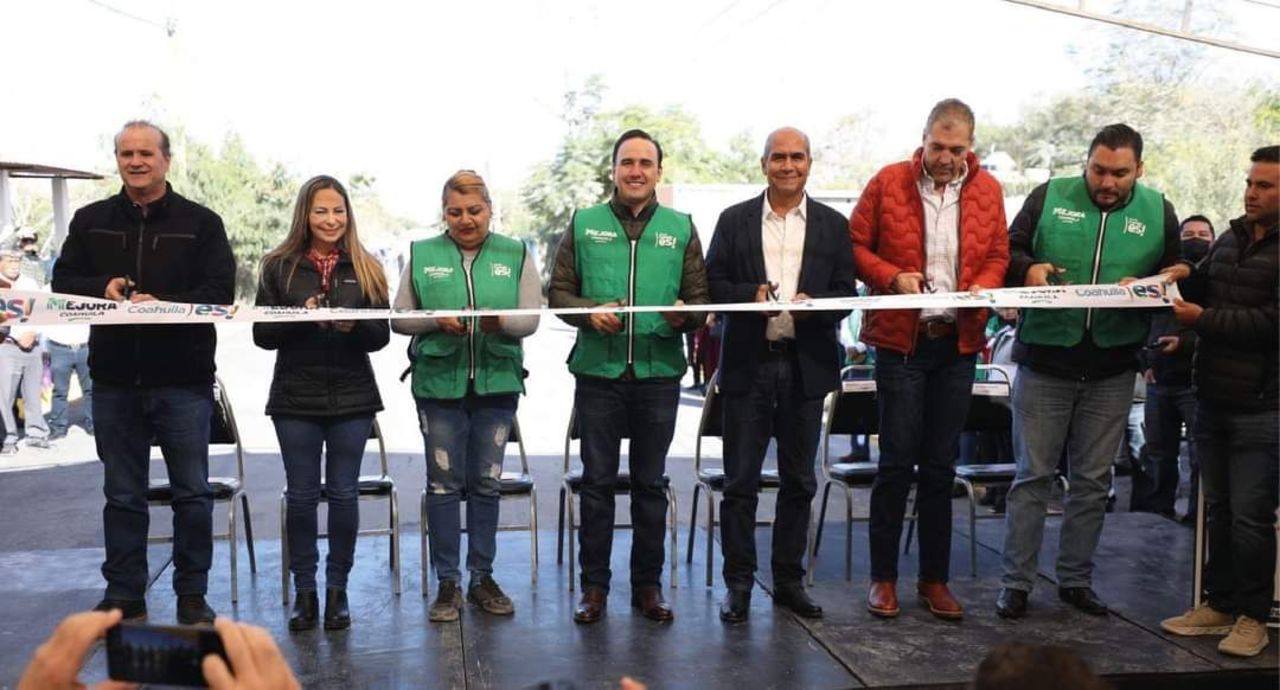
<point x="1234" y="310"/>
<point x="1170" y="403"/>
<point x="776" y="367"/>
<point x="151" y="382"/>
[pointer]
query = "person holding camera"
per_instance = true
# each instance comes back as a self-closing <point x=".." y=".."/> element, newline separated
<point x="323" y="393"/>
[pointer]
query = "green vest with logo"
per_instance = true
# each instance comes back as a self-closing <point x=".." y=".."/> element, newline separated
<point x="443" y="363"/>
<point x="1094" y="247"/>
<point x="646" y="272"/>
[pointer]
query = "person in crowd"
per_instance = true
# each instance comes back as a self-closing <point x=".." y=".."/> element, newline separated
<point x="256" y="661"/>
<point x="628" y="251"/>
<point x="468" y="375"/>
<point x="1232" y="306"/>
<point x="323" y="393"/>
<point x="1171" y="402"/>
<point x="151" y="382"/>
<point x="21" y="368"/>
<point x="68" y="348"/>
<point x="1020" y="666"/>
<point x="934" y="223"/>
<point x="779" y="246"/>
<point x="1076" y="367"/>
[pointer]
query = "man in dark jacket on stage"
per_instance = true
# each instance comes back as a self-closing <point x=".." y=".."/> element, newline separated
<point x="777" y="366"/>
<point x="1233" y="307"/>
<point x="151" y="382"/>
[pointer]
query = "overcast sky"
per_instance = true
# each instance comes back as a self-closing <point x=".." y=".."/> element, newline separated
<point x="411" y="91"/>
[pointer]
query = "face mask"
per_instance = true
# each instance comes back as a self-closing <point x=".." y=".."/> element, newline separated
<point x="1195" y="250"/>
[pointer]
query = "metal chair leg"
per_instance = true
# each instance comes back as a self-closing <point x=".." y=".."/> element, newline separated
<point x="560" y="530"/>
<point x="248" y="532"/>
<point x="848" y="533"/>
<point x="711" y="530"/>
<point x="693" y="522"/>
<point x="395" y="541"/>
<point x="675" y="548"/>
<point x="822" y="517"/>
<point x="234" y="547"/>
<point x="425" y="550"/>
<point x="812" y="536"/>
<point x="973" y="527"/>
<point x="570" y="534"/>
<point x="284" y="550"/>
<point x="533" y="535"/>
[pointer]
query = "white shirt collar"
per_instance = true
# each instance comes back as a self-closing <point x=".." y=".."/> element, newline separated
<point x="802" y="209"/>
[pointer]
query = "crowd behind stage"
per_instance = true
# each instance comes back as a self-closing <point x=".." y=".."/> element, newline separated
<point x="932" y="223"/>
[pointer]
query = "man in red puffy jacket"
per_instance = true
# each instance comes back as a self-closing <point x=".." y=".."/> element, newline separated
<point x="934" y="223"/>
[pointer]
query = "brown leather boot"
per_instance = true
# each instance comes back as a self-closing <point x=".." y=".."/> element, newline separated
<point x="650" y="602"/>
<point x="591" y="607"/>
<point x="882" y="599"/>
<point x="938" y="599"/>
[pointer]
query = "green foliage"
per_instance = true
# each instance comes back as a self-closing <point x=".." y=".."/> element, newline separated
<point x="578" y="174"/>
<point x="256" y="204"/>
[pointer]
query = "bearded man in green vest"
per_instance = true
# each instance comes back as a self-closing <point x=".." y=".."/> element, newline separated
<point x="1076" y="367"/>
<point x="629" y="251"/>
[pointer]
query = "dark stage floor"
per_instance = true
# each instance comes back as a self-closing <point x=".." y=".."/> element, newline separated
<point x="1143" y="571"/>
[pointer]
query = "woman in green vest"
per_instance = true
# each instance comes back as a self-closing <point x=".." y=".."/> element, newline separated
<point x="467" y="377"/>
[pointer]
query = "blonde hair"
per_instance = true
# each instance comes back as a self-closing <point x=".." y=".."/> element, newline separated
<point x="373" y="282"/>
<point x="465" y="182"/>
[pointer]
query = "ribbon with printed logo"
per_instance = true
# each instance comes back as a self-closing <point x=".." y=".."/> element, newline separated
<point x="46" y="309"/>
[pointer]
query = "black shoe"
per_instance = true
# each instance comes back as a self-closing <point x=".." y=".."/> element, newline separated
<point x="57" y="435"/>
<point x="792" y="595"/>
<point x="1012" y="603"/>
<point x="337" y="616"/>
<point x="306" y="607"/>
<point x="133" y="609"/>
<point x="736" y="606"/>
<point x="1084" y="599"/>
<point x="192" y="610"/>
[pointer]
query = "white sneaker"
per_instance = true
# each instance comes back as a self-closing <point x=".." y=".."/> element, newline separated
<point x="1248" y="637"/>
<point x="1203" y="620"/>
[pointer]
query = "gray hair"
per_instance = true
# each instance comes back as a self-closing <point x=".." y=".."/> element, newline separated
<point x="164" y="137"/>
<point x="950" y="110"/>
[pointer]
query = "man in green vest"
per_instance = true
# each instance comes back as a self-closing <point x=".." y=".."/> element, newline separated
<point x="1076" y="367"/>
<point x="629" y="251"/>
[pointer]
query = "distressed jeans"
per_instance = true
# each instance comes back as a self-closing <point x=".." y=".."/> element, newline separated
<point x="465" y="441"/>
<point x="1088" y="419"/>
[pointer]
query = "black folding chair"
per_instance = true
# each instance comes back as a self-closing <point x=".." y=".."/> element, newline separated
<point x="230" y="490"/>
<point x="513" y="486"/>
<point x="370" y="487"/>
<point x="571" y="485"/>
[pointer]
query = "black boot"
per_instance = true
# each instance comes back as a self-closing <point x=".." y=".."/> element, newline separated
<point x="336" y="614"/>
<point x="306" y="606"/>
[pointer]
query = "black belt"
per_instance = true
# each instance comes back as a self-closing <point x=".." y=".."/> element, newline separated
<point x="780" y="347"/>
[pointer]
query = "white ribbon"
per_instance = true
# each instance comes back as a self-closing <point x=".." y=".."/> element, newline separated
<point x="46" y="309"/>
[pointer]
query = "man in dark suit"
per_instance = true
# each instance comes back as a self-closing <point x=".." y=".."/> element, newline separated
<point x="776" y="366"/>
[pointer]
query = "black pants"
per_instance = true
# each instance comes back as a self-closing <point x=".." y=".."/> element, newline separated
<point x="608" y="411"/>
<point x="774" y="407"/>
<point x="1240" y="460"/>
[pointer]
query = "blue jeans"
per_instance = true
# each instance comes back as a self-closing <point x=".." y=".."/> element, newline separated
<point x="1087" y="419"/>
<point x="923" y="400"/>
<point x="127" y="419"/>
<point x="63" y="360"/>
<point x="1155" y="484"/>
<point x="643" y="411"/>
<point x="302" y="441"/>
<point x="1239" y="461"/>
<point x="465" y="442"/>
